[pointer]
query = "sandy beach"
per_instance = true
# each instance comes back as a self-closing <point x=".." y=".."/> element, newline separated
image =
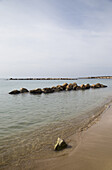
<point x="94" y="150"/>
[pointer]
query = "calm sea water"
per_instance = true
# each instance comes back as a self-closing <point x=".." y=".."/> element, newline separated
<point x="30" y="124"/>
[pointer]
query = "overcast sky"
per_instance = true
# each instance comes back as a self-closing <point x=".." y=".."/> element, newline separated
<point x="55" y="38"/>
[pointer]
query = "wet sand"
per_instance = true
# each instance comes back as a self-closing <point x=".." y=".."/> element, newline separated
<point x="94" y="150"/>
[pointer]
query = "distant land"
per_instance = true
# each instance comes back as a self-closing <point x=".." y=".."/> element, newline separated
<point x="97" y="77"/>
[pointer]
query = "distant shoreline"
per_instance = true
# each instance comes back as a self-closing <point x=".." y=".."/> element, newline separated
<point x="97" y="77"/>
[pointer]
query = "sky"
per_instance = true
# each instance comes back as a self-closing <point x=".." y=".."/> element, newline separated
<point x="55" y="38"/>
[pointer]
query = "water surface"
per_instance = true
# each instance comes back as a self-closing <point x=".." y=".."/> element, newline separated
<point x="30" y="124"/>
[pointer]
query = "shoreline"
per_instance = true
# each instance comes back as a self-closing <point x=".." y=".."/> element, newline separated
<point x="69" y="155"/>
<point x="94" y="150"/>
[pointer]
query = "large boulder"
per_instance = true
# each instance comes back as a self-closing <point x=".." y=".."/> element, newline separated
<point x="60" y="145"/>
<point x="36" y="91"/>
<point x="23" y="90"/>
<point x="47" y="90"/>
<point x="14" y="92"/>
<point x="69" y="87"/>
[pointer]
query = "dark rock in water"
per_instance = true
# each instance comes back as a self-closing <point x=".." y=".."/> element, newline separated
<point x="69" y="87"/>
<point x="36" y="91"/>
<point x="87" y="86"/>
<point x="14" y="92"/>
<point x="98" y="85"/>
<point x="60" y="145"/>
<point x="23" y="90"/>
<point x="60" y="88"/>
<point x="74" y="86"/>
<point x="64" y="86"/>
<point x="93" y="86"/>
<point x="47" y="90"/>
<point x="83" y="87"/>
<point x="78" y="88"/>
<point x="103" y="86"/>
<point x="54" y="89"/>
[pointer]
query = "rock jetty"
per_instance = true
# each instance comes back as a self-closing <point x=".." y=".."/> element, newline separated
<point x="58" y="88"/>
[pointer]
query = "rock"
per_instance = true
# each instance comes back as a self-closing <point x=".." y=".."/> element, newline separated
<point x="92" y="86"/>
<point x="23" y="90"/>
<point x="74" y="86"/>
<point x="83" y="87"/>
<point x="60" y="145"/>
<point x="69" y="87"/>
<point x="47" y="90"/>
<point x="98" y="85"/>
<point x="14" y="92"/>
<point x="78" y="88"/>
<point x="36" y="91"/>
<point x="87" y="86"/>
<point x="64" y="86"/>
<point x="60" y="88"/>
<point x="103" y="86"/>
<point x="54" y="88"/>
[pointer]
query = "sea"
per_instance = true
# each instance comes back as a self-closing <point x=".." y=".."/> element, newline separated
<point x="31" y="124"/>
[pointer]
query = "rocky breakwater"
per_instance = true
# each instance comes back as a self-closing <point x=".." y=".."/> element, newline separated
<point x="58" y="88"/>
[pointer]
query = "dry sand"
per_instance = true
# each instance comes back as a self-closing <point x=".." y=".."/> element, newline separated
<point x="94" y="151"/>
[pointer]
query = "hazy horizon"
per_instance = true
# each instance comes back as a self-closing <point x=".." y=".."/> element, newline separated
<point x="55" y="38"/>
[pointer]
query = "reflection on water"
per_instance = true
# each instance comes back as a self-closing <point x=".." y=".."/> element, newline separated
<point x="30" y="124"/>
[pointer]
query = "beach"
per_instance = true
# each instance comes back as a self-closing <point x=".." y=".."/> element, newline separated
<point x="94" y="150"/>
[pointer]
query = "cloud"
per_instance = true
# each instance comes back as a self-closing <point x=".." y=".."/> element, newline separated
<point x="53" y="38"/>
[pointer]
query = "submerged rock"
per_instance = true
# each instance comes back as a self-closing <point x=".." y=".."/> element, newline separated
<point x="36" y="91"/>
<point x="60" y="145"/>
<point x="14" y="92"/>
<point x="23" y="90"/>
